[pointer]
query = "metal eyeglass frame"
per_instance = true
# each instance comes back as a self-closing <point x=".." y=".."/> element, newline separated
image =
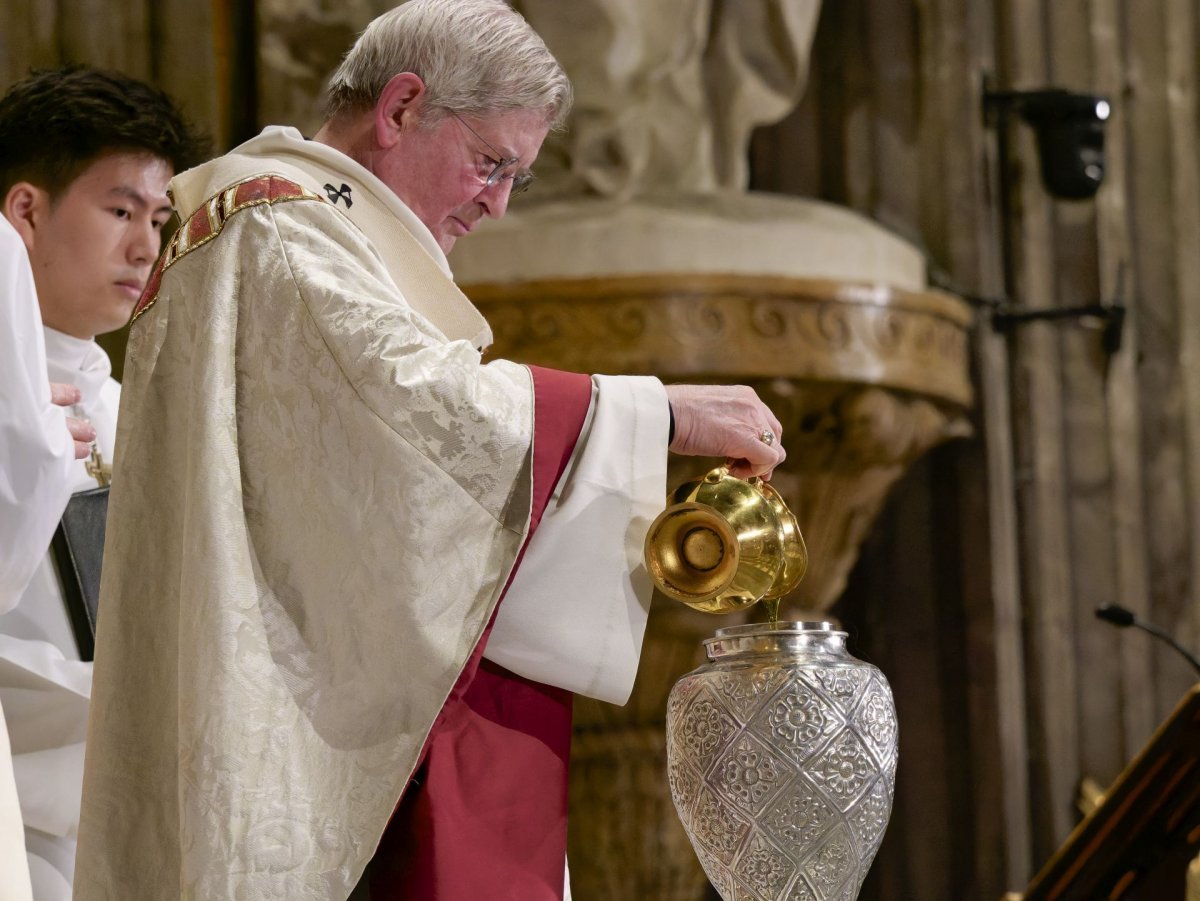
<point x="520" y="180"/>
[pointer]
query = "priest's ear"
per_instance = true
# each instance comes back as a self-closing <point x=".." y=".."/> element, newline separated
<point x="25" y="205"/>
<point x="398" y="106"/>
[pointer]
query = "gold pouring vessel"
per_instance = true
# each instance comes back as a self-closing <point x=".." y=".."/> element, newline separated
<point x="724" y="544"/>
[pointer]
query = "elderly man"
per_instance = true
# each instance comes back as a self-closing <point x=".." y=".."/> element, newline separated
<point x="326" y="613"/>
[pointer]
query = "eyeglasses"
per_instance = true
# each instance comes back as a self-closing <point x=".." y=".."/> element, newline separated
<point x="501" y="164"/>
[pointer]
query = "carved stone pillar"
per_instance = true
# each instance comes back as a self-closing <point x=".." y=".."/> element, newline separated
<point x="863" y="378"/>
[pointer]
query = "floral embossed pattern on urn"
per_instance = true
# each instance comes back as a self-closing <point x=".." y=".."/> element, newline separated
<point x="781" y="755"/>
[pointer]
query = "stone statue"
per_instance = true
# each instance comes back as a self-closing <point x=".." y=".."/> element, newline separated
<point x="668" y="93"/>
<point x="651" y="174"/>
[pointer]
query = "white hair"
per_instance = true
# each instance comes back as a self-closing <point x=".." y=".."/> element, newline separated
<point x="476" y="57"/>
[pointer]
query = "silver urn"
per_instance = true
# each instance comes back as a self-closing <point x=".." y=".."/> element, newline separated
<point x="781" y="758"/>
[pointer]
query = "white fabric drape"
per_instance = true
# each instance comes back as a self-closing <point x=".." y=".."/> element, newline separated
<point x="44" y="686"/>
<point x="14" y="870"/>
<point x="36" y="469"/>
<point x="36" y="451"/>
<point x="572" y="620"/>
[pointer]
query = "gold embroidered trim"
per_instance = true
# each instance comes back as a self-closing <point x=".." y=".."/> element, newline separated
<point x="213" y="214"/>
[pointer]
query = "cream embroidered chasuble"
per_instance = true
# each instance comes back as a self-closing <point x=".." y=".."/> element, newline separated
<point x="319" y="494"/>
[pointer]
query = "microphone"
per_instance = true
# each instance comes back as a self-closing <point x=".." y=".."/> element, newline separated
<point x="1119" y="616"/>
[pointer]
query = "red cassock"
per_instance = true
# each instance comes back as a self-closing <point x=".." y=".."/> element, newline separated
<point x="485" y="814"/>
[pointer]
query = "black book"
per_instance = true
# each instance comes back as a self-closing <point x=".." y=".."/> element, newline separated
<point x="78" y="548"/>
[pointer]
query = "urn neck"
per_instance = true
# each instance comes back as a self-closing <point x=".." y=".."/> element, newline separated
<point x="780" y="640"/>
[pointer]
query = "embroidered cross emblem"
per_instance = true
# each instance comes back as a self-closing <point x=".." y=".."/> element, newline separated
<point x="335" y="195"/>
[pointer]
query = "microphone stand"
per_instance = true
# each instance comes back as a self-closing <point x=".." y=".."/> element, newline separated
<point x="1119" y="616"/>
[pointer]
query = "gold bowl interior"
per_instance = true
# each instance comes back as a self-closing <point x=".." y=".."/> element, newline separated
<point x="724" y="544"/>
<point x="752" y="518"/>
<point x="691" y="552"/>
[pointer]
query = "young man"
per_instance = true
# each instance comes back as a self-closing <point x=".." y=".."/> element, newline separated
<point x="322" y="494"/>
<point x="85" y="158"/>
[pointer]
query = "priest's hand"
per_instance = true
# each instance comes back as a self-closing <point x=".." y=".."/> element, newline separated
<point x="81" y="432"/>
<point x="726" y="421"/>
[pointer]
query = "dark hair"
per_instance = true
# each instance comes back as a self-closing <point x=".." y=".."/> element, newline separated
<point x="54" y="123"/>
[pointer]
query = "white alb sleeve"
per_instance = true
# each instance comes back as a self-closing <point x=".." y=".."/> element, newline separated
<point x="575" y="614"/>
<point x="37" y="454"/>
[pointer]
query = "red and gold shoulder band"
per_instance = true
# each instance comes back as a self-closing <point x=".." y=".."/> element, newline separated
<point x="207" y="221"/>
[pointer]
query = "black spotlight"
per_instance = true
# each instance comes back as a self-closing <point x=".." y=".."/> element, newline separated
<point x="1070" y="136"/>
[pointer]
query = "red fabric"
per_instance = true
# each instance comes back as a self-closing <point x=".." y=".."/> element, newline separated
<point x="486" y="813"/>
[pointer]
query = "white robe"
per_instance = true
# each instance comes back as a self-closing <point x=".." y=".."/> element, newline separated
<point x="36" y="450"/>
<point x="320" y="494"/>
<point x="36" y="459"/>
<point x="44" y="686"/>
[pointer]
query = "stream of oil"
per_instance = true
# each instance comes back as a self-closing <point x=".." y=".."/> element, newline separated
<point x="772" y="605"/>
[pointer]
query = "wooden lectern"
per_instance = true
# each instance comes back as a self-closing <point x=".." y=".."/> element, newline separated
<point x="1136" y="845"/>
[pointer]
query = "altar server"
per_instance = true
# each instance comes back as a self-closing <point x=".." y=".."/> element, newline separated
<point x="85" y="157"/>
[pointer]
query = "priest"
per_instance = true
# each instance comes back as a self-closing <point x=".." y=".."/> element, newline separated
<point x="355" y="574"/>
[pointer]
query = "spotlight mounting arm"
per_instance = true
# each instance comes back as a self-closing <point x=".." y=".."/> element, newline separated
<point x="1109" y="316"/>
<point x="1005" y="315"/>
